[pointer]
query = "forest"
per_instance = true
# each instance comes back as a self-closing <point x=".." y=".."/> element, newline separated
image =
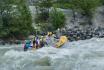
<point x="16" y="20"/>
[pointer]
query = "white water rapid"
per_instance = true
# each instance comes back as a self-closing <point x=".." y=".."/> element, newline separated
<point x="80" y="55"/>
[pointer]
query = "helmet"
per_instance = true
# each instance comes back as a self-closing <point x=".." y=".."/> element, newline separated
<point x="50" y="33"/>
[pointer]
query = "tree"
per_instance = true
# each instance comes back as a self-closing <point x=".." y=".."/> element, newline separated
<point x="42" y="8"/>
<point x="85" y="7"/>
<point x="66" y="4"/>
<point x="5" y="16"/>
<point x="102" y="2"/>
<point x="15" y="18"/>
<point x="57" y="18"/>
<point x="42" y="13"/>
<point x="25" y="19"/>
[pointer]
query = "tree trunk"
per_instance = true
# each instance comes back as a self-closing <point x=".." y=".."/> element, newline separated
<point x="74" y="17"/>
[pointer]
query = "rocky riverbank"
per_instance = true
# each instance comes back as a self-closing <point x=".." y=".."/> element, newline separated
<point x="78" y="34"/>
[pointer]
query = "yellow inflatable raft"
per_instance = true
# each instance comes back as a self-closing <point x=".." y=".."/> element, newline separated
<point x="62" y="40"/>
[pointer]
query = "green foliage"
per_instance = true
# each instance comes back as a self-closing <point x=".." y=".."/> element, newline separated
<point x="5" y="17"/>
<point x="85" y="6"/>
<point x="44" y="3"/>
<point x="102" y="2"/>
<point x="15" y="19"/>
<point x="57" y="18"/>
<point x="42" y="17"/>
<point x="42" y="7"/>
<point x="25" y="19"/>
<point x="62" y="4"/>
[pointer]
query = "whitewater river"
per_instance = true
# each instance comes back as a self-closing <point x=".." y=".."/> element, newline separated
<point x="80" y="55"/>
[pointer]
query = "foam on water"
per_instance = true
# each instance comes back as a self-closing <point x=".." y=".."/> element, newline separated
<point x="80" y="55"/>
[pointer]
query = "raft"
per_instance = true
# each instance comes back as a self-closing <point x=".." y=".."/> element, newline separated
<point x="62" y="41"/>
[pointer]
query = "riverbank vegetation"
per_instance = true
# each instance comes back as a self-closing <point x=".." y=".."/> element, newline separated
<point x="16" y="20"/>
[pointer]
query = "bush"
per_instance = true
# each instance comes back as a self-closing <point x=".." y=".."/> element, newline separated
<point x="15" y="20"/>
<point x="57" y="18"/>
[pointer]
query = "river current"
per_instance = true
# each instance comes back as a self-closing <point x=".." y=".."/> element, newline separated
<point x="79" y="55"/>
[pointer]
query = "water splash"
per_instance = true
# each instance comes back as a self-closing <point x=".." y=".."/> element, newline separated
<point x="80" y="55"/>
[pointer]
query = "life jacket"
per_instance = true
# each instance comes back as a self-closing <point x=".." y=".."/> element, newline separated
<point x="49" y="33"/>
<point x="42" y="43"/>
<point x="37" y="42"/>
<point x="48" y="40"/>
<point x="27" y="44"/>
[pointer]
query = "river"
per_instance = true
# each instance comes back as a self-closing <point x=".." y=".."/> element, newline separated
<point x="80" y="55"/>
